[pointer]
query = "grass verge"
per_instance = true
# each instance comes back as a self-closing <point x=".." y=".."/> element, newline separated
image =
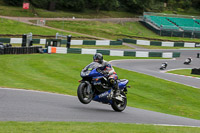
<point x="186" y="72"/>
<point x="89" y="127"/>
<point x="15" y="27"/>
<point x="114" y="30"/>
<point x="85" y="46"/>
<point x="102" y="47"/>
<point x="59" y="73"/>
<point x="19" y="12"/>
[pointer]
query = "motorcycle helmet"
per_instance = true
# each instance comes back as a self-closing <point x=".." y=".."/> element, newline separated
<point x="98" y="57"/>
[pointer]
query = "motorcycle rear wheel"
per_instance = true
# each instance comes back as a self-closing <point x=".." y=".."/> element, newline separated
<point x="118" y="105"/>
<point x="83" y="95"/>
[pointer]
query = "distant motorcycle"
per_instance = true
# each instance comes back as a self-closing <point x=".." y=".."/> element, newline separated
<point x="94" y="86"/>
<point x="163" y="66"/>
<point x="188" y="61"/>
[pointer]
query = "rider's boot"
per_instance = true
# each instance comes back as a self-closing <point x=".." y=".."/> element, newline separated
<point x="116" y="88"/>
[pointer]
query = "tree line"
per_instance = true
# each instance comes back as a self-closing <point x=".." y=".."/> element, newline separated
<point x="135" y="6"/>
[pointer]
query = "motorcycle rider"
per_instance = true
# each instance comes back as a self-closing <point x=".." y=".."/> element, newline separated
<point x="188" y="60"/>
<point x="164" y="65"/>
<point x="108" y="72"/>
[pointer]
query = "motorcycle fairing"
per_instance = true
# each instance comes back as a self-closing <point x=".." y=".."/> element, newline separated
<point x="104" y="97"/>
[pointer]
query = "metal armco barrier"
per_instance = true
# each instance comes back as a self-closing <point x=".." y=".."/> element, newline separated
<point x="20" y="50"/>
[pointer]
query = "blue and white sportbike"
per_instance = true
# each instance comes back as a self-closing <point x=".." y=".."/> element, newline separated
<point x="94" y="86"/>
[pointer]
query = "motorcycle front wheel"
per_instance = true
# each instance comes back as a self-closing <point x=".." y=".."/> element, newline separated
<point x="119" y="106"/>
<point x="84" y="93"/>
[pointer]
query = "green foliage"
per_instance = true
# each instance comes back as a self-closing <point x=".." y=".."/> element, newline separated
<point x="196" y="4"/>
<point x="181" y="4"/>
<point x="136" y="6"/>
<point x="132" y="5"/>
<point x="102" y="4"/>
<point x="14" y="2"/>
<point x="75" y="5"/>
<point x="40" y="3"/>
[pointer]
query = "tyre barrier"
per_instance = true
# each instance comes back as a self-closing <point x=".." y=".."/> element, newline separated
<point x="21" y="50"/>
<point x="195" y="71"/>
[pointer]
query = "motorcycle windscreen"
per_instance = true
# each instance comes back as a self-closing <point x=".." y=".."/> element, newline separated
<point x="92" y="65"/>
<point x="90" y="69"/>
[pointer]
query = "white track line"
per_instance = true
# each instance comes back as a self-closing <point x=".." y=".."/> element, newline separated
<point x="179" y="74"/>
<point x="51" y="93"/>
<point x="174" y="125"/>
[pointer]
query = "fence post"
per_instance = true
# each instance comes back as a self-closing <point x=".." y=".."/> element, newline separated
<point x="69" y="41"/>
<point x="24" y="37"/>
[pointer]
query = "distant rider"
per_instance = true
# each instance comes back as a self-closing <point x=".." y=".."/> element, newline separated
<point x="163" y="66"/>
<point x="188" y="60"/>
<point x="108" y="72"/>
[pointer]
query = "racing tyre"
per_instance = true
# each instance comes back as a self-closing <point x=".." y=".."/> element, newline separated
<point x="84" y="93"/>
<point x="119" y="106"/>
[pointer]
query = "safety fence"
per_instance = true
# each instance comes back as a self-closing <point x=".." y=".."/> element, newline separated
<point x="21" y="50"/>
<point x="62" y="50"/>
<point x="73" y="42"/>
<point x="158" y="43"/>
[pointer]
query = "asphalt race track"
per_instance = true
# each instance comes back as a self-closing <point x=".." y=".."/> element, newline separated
<point x="151" y="67"/>
<point x="24" y="105"/>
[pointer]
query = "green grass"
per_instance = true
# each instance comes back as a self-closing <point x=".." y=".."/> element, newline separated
<point x="60" y="73"/>
<point x="88" y="127"/>
<point x="186" y="72"/>
<point x="114" y="30"/>
<point x="14" y="11"/>
<point x="19" y="12"/>
<point x="102" y="47"/>
<point x="15" y="27"/>
<point x="85" y="46"/>
<point x="19" y="45"/>
<point x="86" y="14"/>
<point x="102" y="29"/>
